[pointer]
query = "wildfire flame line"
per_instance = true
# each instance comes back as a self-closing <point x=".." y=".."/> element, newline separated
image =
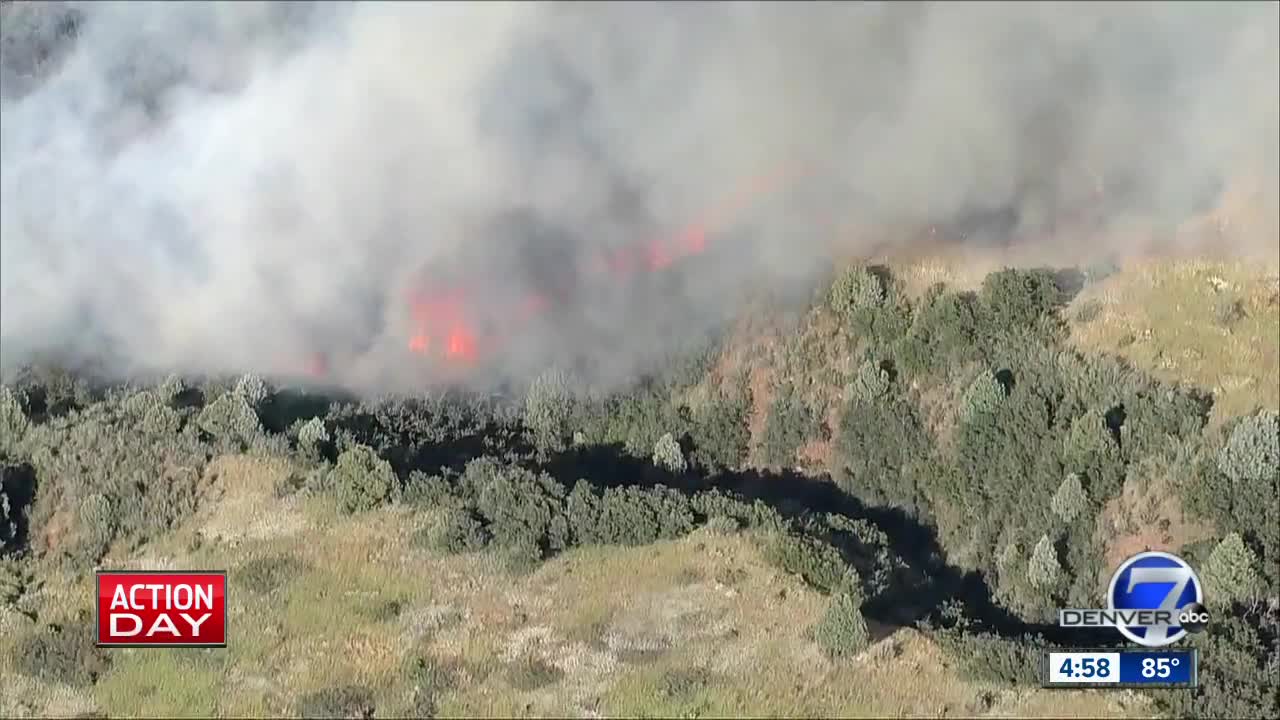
<point x="442" y="328"/>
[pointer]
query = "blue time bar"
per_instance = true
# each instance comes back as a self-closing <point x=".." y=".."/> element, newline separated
<point x="1120" y="667"/>
<point x="1158" y="667"/>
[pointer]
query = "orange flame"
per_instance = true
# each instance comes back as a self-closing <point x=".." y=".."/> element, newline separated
<point x="461" y="345"/>
<point x="440" y="320"/>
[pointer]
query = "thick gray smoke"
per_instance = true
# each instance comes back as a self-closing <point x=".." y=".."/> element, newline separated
<point x="234" y="187"/>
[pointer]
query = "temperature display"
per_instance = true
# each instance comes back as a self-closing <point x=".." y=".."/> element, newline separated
<point x="1120" y="668"/>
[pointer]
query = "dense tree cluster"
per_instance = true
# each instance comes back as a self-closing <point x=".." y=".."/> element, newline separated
<point x="1040" y="441"/>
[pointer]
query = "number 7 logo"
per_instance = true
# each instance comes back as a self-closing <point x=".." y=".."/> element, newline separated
<point x="1181" y="587"/>
<point x="1179" y="576"/>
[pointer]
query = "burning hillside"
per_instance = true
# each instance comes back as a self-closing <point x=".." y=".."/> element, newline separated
<point x="219" y="188"/>
<point x="452" y="322"/>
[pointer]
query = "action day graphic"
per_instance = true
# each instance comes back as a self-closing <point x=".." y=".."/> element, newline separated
<point x="155" y="608"/>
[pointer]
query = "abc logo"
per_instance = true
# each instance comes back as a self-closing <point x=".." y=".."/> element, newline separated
<point x="1194" y="618"/>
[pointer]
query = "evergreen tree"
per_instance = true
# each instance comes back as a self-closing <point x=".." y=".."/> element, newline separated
<point x="313" y="434"/>
<point x="363" y="480"/>
<point x="1044" y="569"/>
<point x="1230" y="574"/>
<point x="253" y="389"/>
<point x="870" y="384"/>
<point x="1253" y="450"/>
<point x="1071" y="499"/>
<point x="13" y="421"/>
<point x="857" y="289"/>
<point x="843" y="629"/>
<point x="984" y="395"/>
<point x="547" y="409"/>
<point x="667" y="454"/>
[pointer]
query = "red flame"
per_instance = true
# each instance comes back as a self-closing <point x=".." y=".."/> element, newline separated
<point x="461" y="345"/>
<point x="440" y="321"/>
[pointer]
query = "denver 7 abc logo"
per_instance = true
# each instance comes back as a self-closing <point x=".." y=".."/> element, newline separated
<point x="1155" y="599"/>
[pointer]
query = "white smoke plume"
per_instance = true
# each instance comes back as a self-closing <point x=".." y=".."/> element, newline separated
<point x="236" y="187"/>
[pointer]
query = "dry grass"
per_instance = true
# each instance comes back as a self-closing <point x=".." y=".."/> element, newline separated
<point x="1215" y="325"/>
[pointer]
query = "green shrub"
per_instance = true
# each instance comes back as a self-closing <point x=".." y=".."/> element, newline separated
<point x="50" y="391"/>
<point x="15" y="576"/>
<point x="720" y="434"/>
<point x="988" y="657"/>
<point x="1018" y="299"/>
<point x="668" y="455"/>
<point x="362" y="480"/>
<point x="881" y="446"/>
<point x="857" y="289"/>
<point x="634" y="420"/>
<point x="230" y="417"/>
<point x="1044" y="570"/>
<point x="456" y="530"/>
<point x="1246" y="505"/>
<point x="171" y="389"/>
<point x="842" y="631"/>
<point x="789" y="424"/>
<point x="983" y="395"/>
<point x="717" y="503"/>
<point x="548" y="409"/>
<point x="424" y="490"/>
<point x="1156" y="417"/>
<point x="943" y="334"/>
<point x="253" y="389"/>
<point x="346" y="701"/>
<point x="1071" y="500"/>
<point x="152" y="412"/>
<point x="313" y="435"/>
<point x="520" y="508"/>
<point x="817" y="562"/>
<point x="1230" y="574"/>
<point x="13" y="420"/>
<point x="1029" y="574"/>
<point x="1253" y="450"/>
<point x="1092" y="452"/>
<point x="61" y="654"/>
<point x="628" y="515"/>
<point x="144" y="482"/>
<point x="870" y="383"/>
<point x="97" y="523"/>
<point x="723" y="525"/>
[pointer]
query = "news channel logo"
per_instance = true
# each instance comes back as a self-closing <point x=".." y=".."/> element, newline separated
<point x="1154" y="600"/>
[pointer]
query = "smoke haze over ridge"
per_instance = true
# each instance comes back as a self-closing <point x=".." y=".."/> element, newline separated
<point x="232" y="187"/>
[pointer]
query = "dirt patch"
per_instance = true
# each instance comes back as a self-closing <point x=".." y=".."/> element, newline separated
<point x="56" y="529"/>
<point x="819" y="454"/>
<point x="939" y="403"/>
<point x="1147" y="515"/>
